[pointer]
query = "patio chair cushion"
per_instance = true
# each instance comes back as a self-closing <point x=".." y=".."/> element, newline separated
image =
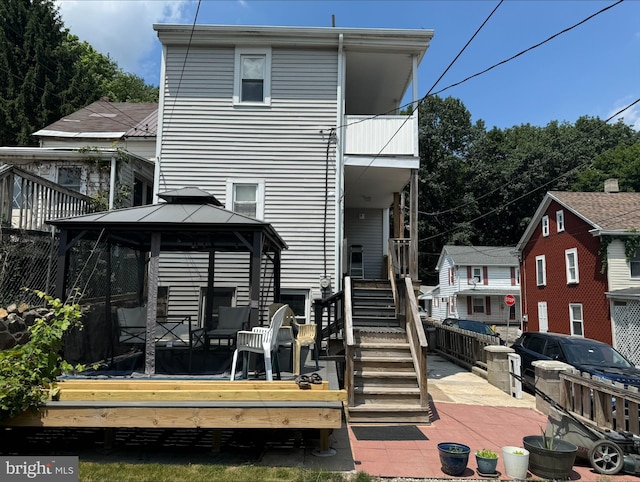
<point x="132" y="317"/>
<point x="231" y="319"/>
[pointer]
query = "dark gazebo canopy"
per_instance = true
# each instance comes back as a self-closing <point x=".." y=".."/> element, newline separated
<point x="190" y="219"/>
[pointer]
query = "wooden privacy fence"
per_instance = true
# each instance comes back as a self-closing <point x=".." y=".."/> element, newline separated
<point x="600" y="402"/>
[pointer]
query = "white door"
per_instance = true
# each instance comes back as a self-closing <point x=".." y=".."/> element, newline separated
<point x="543" y="319"/>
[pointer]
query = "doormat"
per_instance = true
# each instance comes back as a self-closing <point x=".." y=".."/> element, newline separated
<point x="390" y="432"/>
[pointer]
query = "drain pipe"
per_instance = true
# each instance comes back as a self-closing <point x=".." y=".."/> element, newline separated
<point x="339" y="186"/>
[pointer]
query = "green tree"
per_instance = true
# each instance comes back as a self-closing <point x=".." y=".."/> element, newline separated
<point x="622" y="163"/>
<point x="446" y="204"/>
<point x="34" y="65"/>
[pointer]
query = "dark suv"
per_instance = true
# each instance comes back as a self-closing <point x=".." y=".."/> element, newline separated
<point x="586" y="355"/>
<point x="472" y="325"/>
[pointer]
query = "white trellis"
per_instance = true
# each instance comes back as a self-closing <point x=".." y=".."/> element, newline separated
<point x="626" y="329"/>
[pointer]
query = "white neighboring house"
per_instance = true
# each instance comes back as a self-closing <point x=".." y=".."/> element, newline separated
<point x="104" y="150"/>
<point x="474" y="281"/>
<point x="298" y="127"/>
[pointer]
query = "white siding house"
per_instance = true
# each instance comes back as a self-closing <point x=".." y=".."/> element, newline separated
<point x="474" y="281"/>
<point x="263" y="119"/>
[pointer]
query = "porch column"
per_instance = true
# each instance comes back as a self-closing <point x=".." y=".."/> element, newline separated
<point x="152" y="306"/>
<point x="254" y="279"/>
<point x="398" y="216"/>
<point x="63" y="266"/>
<point x="208" y="304"/>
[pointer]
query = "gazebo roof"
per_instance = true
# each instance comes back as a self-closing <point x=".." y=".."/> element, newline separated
<point x="190" y="217"/>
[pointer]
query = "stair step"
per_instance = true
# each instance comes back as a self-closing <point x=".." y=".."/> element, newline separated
<point x="383" y="345"/>
<point x="368" y="390"/>
<point x="383" y="359"/>
<point x="389" y="413"/>
<point x="385" y="374"/>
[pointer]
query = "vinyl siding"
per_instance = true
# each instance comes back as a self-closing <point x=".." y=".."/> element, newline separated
<point x="206" y="140"/>
<point x="618" y="272"/>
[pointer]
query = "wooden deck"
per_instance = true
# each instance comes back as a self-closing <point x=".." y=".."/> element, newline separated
<point x="190" y="404"/>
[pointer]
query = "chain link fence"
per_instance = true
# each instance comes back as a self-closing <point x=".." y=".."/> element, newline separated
<point x="28" y="262"/>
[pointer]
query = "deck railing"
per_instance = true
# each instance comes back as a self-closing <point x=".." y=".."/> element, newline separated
<point x="400" y="257"/>
<point x="349" y="343"/>
<point x="329" y="315"/>
<point x="600" y="402"/>
<point x="27" y="200"/>
<point x="416" y="336"/>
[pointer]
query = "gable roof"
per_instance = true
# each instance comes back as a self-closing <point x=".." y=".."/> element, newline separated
<point x="607" y="212"/>
<point x="479" y="255"/>
<point x="106" y="120"/>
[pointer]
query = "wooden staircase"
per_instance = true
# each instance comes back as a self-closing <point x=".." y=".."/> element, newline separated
<point x="385" y="383"/>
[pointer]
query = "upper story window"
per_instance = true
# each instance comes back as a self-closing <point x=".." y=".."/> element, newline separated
<point x="70" y="177"/>
<point x="634" y="266"/>
<point x="560" y="221"/>
<point x="476" y="274"/>
<point x="246" y="197"/>
<point x="545" y="225"/>
<point x="541" y="270"/>
<point x="571" y="262"/>
<point x="517" y="277"/>
<point x="252" y="77"/>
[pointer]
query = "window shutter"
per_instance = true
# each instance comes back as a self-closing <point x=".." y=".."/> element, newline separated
<point x="487" y="302"/>
<point x="485" y="275"/>
<point x="469" y="275"/>
<point x="469" y="305"/>
<point x="513" y="276"/>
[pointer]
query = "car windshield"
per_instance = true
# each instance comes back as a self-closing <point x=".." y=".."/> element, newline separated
<point x="477" y="327"/>
<point x="595" y="355"/>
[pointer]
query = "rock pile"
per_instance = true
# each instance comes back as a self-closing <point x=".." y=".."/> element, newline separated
<point x="14" y="321"/>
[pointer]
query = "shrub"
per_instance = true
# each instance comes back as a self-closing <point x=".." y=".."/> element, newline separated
<point x="28" y="372"/>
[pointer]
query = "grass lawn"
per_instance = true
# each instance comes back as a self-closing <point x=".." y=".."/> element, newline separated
<point x="153" y="472"/>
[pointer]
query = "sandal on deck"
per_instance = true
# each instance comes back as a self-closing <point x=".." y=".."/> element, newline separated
<point x="303" y="382"/>
<point x="315" y="379"/>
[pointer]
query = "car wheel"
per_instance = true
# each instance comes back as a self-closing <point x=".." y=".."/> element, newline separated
<point x="606" y="457"/>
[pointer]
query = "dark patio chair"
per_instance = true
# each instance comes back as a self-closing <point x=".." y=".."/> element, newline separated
<point x="230" y="321"/>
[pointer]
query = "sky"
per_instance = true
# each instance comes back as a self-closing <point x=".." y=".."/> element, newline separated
<point x="592" y="69"/>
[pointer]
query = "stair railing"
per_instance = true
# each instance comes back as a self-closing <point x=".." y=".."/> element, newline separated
<point x="349" y="343"/>
<point x="417" y="338"/>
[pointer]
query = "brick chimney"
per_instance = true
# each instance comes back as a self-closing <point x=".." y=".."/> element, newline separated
<point x="611" y="186"/>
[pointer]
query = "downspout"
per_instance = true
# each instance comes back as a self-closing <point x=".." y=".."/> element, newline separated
<point x="112" y="182"/>
<point x="339" y="187"/>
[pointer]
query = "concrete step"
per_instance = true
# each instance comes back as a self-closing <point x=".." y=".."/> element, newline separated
<point x="388" y="413"/>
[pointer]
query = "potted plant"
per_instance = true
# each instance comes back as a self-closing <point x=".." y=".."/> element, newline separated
<point x="487" y="461"/>
<point x="516" y="462"/>
<point x="551" y="458"/>
<point x="453" y="457"/>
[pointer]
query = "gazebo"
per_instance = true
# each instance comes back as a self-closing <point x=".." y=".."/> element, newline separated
<point x="189" y="220"/>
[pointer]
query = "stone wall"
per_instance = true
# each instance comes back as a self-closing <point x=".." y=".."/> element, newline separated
<point x="14" y="321"/>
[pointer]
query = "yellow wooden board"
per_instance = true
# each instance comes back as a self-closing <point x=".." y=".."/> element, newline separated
<point x="120" y="384"/>
<point x="138" y="395"/>
<point x="180" y="417"/>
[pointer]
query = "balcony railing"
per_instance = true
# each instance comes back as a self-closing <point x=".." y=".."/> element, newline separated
<point x="27" y="200"/>
<point x="386" y="135"/>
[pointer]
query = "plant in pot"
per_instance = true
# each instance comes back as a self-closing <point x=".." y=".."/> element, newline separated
<point x="550" y="457"/>
<point x="516" y="462"/>
<point x="453" y="457"/>
<point x="487" y="461"/>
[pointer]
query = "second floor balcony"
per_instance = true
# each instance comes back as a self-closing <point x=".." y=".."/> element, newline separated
<point x="385" y="135"/>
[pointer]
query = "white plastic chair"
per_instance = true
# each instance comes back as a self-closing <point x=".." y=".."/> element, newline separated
<point x="262" y="340"/>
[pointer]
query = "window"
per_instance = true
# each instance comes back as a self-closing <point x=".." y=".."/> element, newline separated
<point x="297" y="301"/>
<point x="246" y="197"/>
<point x="571" y="261"/>
<point x="560" y="221"/>
<point x="452" y="305"/>
<point x="253" y="77"/>
<point x="70" y="177"/>
<point x="478" y="304"/>
<point x="517" y="276"/>
<point x="634" y="266"/>
<point x="545" y="225"/>
<point x="541" y="271"/>
<point x="577" y="323"/>
<point x="476" y="274"/>
<point x="452" y="276"/>
<point x="142" y="192"/>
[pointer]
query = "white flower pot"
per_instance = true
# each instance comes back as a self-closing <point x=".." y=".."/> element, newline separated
<point x="515" y="465"/>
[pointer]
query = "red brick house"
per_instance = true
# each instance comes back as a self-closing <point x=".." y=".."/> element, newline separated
<point x="577" y="267"/>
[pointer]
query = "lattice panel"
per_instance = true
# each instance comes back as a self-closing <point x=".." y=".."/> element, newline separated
<point x="626" y="329"/>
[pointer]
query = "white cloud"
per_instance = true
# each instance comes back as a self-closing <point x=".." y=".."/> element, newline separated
<point x="631" y="116"/>
<point x="124" y="29"/>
